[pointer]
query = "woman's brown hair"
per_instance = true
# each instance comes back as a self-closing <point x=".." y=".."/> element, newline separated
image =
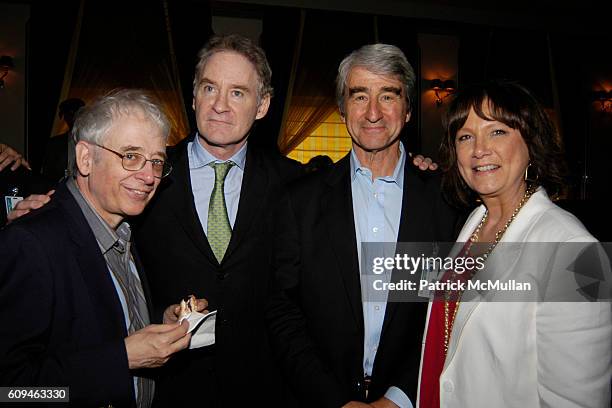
<point x="515" y="106"/>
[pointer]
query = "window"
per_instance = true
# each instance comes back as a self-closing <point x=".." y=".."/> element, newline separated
<point x="331" y="139"/>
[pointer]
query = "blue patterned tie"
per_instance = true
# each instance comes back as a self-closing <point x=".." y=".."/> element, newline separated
<point x="219" y="228"/>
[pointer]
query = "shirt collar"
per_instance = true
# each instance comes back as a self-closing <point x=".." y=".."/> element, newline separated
<point x="398" y="173"/>
<point x="105" y="235"/>
<point x="202" y="157"/>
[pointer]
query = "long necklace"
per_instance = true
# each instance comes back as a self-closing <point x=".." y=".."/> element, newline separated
<point x="448" y="320"/>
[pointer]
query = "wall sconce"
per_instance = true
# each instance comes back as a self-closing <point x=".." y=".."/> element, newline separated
<point x="6" y="64"/>
<point x="605" y="99"/>
<point x="447" y="87"/>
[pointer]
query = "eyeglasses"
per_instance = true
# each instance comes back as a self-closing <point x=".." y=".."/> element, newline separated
<point x="136" y="161"/>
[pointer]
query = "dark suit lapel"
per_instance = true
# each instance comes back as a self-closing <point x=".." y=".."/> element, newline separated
<point x="252" y="195"/>
<point x="337" y="207"/>
<point x="416" y="218"/>
<point x="183" y="206"/>
<point x="415" y="222"/>
<point x="94" y="271"/>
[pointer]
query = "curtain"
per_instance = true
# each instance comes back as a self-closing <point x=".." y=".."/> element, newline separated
<point x="327" y="37"/>
<point x="304" y="116"/>
<point x="191" y="25"/>
<point x="402" y="32"/>
<point x="130" y="48"/>
<point x="49" y="34"/>
<point x="59" y="126"/>
<point x="281" y="27"/>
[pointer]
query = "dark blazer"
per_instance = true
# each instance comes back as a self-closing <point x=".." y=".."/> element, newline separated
<point x="238" y="369"/>
<point x="62" y="322"/>
<point x="316" y="316"/>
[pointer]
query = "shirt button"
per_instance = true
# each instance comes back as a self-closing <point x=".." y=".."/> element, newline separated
<point x="376" y="307"/>
<point x="375" y="195"/>
<point x="448" y="386"/>
<point x="375" y="229"/>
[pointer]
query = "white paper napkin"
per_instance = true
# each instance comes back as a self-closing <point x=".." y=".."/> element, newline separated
<point x="203" y="328"/>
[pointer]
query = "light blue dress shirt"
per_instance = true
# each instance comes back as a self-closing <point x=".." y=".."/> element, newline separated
<point x="203" y="180"/>
<point x="377" y="207"/>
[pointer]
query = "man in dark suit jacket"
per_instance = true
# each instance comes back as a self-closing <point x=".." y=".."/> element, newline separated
<point x="231" y="91"/>
<point x="74" y="303"/>
<point x="338" y="343"/>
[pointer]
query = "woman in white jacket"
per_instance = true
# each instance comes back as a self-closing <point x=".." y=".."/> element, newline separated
<point x="482" y="349"/>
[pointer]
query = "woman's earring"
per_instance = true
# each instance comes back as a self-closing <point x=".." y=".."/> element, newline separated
<point x="527" y="174"/>
<point x="527" y="170"/>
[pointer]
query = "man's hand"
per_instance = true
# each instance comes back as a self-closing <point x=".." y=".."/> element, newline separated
<point x="153" y="345"/>
<point x="424" y="163"/>
<point x="9" y="155"/>
<point x="28" y="204"/>
<point x="171" y="313"/>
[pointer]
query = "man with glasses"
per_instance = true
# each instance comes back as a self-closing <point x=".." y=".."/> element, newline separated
<point x="133" y="161"/>
<point x="74" y="304"/>
<point x="208" y="231"/>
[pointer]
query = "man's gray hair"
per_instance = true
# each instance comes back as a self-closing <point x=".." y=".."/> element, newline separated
<point x="381" y="59"/>
<point x="245" y="47"/>
<point x="95" y="120"/>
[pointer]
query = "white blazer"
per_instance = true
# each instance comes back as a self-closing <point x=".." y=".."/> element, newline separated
<point x="528" y="354"/>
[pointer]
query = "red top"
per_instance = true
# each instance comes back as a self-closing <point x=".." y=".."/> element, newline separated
<point x="434" y="355"/>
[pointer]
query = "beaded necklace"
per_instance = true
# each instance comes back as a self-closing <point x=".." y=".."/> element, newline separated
<point x="449" y="320"/>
